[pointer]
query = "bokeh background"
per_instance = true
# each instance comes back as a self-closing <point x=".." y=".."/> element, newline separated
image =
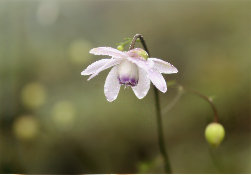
<point x="53" y="121"/>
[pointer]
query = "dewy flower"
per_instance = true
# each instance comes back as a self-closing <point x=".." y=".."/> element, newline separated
<point x="132" y="68"/>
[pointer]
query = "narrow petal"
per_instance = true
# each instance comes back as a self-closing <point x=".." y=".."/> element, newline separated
<point x="108" y="51"/>
<point x="158" y="80"/>
<point x="143" y="85"/>
<point x="94" y="67"/>
<point x="110" y="63"/>
<point x="112" y="85"/>
<point x="163" y="66"/>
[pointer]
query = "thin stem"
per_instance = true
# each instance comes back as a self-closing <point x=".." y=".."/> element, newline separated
<point x="216" y="116"/>
<point x="181" y="90"/>
<point x="158" y="111"/>
<point x="160" y="133"/>
<point x="132" y="45"/>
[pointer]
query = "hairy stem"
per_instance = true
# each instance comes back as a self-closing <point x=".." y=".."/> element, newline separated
<point x="158" y="111"/>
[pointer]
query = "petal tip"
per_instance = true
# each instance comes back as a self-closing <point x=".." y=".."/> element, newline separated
<point x="164" y="89"/>
<point x="83" y="73"/>
<point x="89" y="78"/>
<point x="175" y="70"/>
<point x="110" y="99"/>
<point x="141" y="97"/>
<point x="92" y="51"/>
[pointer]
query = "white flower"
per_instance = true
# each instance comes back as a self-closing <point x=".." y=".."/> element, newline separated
<point x="131" y="68"/>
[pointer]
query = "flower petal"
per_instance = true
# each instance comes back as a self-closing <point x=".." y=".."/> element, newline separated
<point x="158" y="80"/>
<point x="112" y="85"/>
<point x="94" y="66"/>
<point x="143" y="85"/>
<point x="108" y="64"/>
<point x="108" y="51"/>
<point x="144" y="64"/>
<point x="163" y="66"/>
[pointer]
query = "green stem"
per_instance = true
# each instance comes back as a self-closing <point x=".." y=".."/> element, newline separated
<point x="158" y="112"/>
<point x="160" y="133"/>
<point x="216" y="116"/>
<point x="181" y="90"/>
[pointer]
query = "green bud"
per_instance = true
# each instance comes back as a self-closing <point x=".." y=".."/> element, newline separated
<point x="214" y="134"/>
<point x="143" y="54"/>
<point x="120" y="47"/>
<point x="140" y="52"/>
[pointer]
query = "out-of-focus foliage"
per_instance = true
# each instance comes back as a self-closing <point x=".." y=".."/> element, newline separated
<point x="53" y="121"/>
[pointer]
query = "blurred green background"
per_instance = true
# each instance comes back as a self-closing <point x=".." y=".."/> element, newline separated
<point x="53" y="121"/>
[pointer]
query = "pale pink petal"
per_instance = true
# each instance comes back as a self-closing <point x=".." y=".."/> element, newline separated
<point x="144" y="64"/>
<point x="158" y="80"/>
<point x="163" y="66"/>
<point x="108" y="51"/>
<point x="94" y="67"/>
<point x="112" y="85"/>
<point x="110" y="63"/>
<point x="143" y="85"/>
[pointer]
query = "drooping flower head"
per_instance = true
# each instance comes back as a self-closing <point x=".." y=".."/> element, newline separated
<point x="132" y="68"/>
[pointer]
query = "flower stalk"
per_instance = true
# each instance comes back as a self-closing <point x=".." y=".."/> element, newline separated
<point x="161" y="140"/>
<point x="182" y="90"/>
<point x="206" y="98"/>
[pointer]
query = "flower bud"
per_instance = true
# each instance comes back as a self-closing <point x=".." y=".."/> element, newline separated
<point x="138" y="52"/>
<point x="143" y="54"/>
<point x="214" y="134"/>
<point x="120" y="47"/>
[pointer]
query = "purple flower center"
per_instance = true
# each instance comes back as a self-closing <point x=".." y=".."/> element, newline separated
<point x="128" y="81"/>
